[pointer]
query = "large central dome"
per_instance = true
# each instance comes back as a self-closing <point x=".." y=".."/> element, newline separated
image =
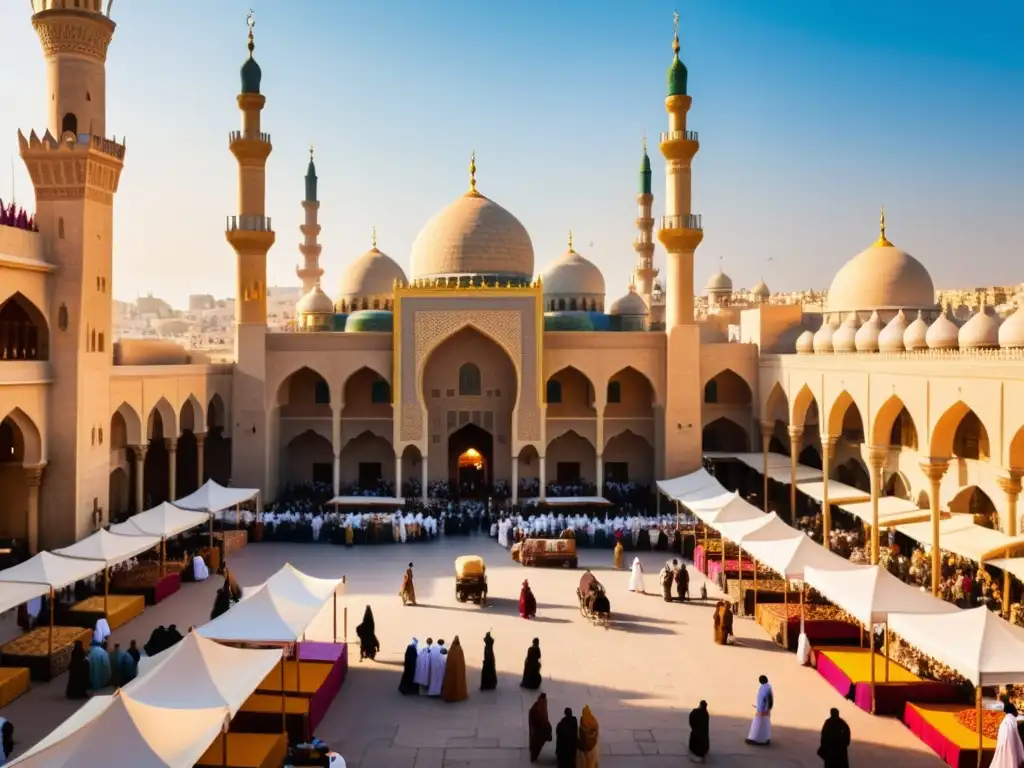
<point x="473" y="236"/>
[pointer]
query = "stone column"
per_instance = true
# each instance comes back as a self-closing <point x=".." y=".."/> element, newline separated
<point x="336" y="447"/>
<point x="877" y="457"/>
<point x="766" y="439"/>
<point x="1011" y="486"/>
<point x="796" y="438"/>
<point x="172" y="467"/>
<point x="398" y="476"/>
<point x="33" y="479"/>
<point x="200" y="459"/>
<point x="828" y="447"/>
<point x="425" y="464"/>
<point x="140" y="477"/>
<point x="336" y="475"/>
<point x="515" y="480"/>
<point x="934" y="469"/>
<point x="542" y="470"/>
<point x="599" y="469"/>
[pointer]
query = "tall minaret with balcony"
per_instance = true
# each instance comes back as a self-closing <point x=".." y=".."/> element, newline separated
<point x="644" y="273"/>
<point x="680" y="234"/>
<point x="251" y="235"/>
<point x="310" y="272"/>
<point x="75" y="170"/>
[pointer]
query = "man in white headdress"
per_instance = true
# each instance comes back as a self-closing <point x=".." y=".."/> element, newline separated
<point x="1009" y="749"/>
<point x="422" y="676"/>
<point x="636" y="577"/>
<point x="761" y="729"/>
<point x="101" y="631"/>
<point x="438" y="661"/>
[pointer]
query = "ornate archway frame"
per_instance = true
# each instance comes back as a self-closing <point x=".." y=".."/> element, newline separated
<point x="426" y="316"/>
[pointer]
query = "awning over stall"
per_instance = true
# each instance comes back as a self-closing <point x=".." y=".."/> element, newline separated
<point x="838" y="493"/>
<point x="213" y="497"/>
<point x="870" y="593"/>
<point x="51" y="570"/>
<point x="769" y="525"/>
<point x="959" y="535"/>
<point x="108" y="548"/>
<point x="366" y="501"/>
<point x="165" y="520"/>
<point x="292" y="584"/>
<point x="778" y="465"/>
<point x="792" y="555"/>
<point x="12" y="594"/>
<point x="892" y="511"/>
<point x="678" y="488"/>
<point x="262" y="617"/>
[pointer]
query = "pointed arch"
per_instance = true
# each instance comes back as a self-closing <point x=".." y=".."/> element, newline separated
<point x="168" y="419"/>
<point x="132" y="426"/>
<point x="628" y="457"/>
<point x="366" y="394"/>
<point x="26" y="439"/>
<point x="803" y="404"/>
<point x="24" y="332"/>
<point x="191" y="416"/>
<point x="725" y="435"/>
<point x="845" y="419"/>
<point x="308" y="458"/>
<point x="1016" y="458"/>
<point x="629" y="393"/>
<point x="894" y="425"/>
<point x="304" y="393"/>
<point x="216" y="413"/>
<point x="897" y="485"/>
<point x="571" y="459"/>
<point x="974" y="501"/>
<point x="368" y="461"/>
<point x="570" y="393"/>
<point x="728" y="388"/>
<point x="776" y="405"/>
<point x="959" y="432"/>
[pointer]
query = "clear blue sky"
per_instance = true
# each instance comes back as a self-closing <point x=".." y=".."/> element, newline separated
<point x="811" y="115"/>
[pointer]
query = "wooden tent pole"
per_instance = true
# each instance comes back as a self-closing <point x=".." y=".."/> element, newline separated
<point x="334" y="621"/>
<point x="284" y="697"/>
<point x="106" y="593"/>
<point x="785" y="612"/>
<point x="743" y="601"/>
<point x="49" y="641"/>
<point x="871" y="658"/>
<point x="887" y="649"/>
<point x="345" y="624"/>
<point x="977" y="696"/>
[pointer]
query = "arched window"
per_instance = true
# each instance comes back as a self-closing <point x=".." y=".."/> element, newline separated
<point x="380" y="392"/>
<point x="101" y="342"/>
<point x="376" y="303"/>
<point x="561" y="305"/>
<point x="62" y="317"/>
<point x="469" y="380"/>
<point x="321" y="393"/>
<point x="614" y="392"/>
<point x="711" y="392"/>
<point x="554" y="394"/>
<point x="60" y="227"/>
<point x="572" y="305"/>
<point x="69" y="123"/>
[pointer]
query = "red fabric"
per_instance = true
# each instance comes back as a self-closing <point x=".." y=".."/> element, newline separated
<point x="527" y="603"/>
<point x="949" y="752"/>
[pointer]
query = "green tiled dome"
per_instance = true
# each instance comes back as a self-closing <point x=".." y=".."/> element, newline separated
<point x="677" y="78"/>
<point x="567" y="321"/>
<point x="370" y="321"/>
<point x="645" y="174"/>
<point x="251" y="76"/>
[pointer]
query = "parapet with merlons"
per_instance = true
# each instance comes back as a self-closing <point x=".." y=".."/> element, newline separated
<point x="71" y="143"/>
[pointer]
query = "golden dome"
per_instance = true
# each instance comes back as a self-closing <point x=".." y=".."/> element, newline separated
<point x="572" y="275"/>
<point x="372" y="274"/>
<point x="1011" y="332"/>
<point x="473" y="236"/>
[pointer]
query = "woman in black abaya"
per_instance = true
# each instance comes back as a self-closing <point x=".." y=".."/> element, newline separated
<point x="78" y="674"/>
<point x="489" y="671"/>
<point x="531" y="668"/>
<point x="407" y="685"/>
<point x="368" y="643"/>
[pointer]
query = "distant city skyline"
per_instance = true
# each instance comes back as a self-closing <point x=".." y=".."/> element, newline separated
<point x="810" y="119"/>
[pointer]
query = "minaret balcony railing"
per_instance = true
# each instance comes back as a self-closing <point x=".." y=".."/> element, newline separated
<point x="688" y="221"/>
<point x="249" y="223"/>
<point x="234" y="136"/>
<point x="678" y="136"/>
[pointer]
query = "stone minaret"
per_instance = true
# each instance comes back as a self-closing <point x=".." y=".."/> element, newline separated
<point x="644" y="273"/>
<point x="680" y="234"/>
<point x="75" y="171"/>
<point x="310" y="272"/>
<point x="251" y="235"/>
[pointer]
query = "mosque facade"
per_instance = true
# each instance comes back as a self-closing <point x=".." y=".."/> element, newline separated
<point x="474" y="365"/>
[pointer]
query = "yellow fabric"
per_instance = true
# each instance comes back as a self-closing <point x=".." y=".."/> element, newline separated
<point x="267" y="703"/>
<point x="37" y="642"/>
<point x="942" y="717"/>
<point x="247" y="750"/>
<point x="619" y="565"/>
<point x="588" y="749"/>
<point x="854" y="662"/>
<point x="348" y="535"/>
<point x="313" y="675"/>
<point x="469" y="565"/>
<point x="14" y="681"/>
<point x="120" y="608"/>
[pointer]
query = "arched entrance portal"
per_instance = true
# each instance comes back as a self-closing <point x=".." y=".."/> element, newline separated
<point x="471" y="460"/>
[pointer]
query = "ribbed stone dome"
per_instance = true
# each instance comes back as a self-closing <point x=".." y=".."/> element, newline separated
<point x="845" y="337"/>
<point x="891" y="337"/>
<point x="473" y="236"/>
<point x="942" y="334"/>
<point x="572" y="275"/>
<point x="632" y="304"/>
<point x="867" y="335"/>
<point x="805" y="343"/>
<point x="372" y="274"/>
<point x="567" y="321"/>
<point x="916" y="336"/>
<point x="1011" y="332"/>
<point x="822" y="343"/>
<point x="980" y="332"/>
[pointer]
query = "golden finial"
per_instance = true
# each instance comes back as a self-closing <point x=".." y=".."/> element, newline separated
<point x="675" y="39"/>
<point x="570" y="241"/>
<point x="472" y="173"/>
<point x="311" y="153"/>
<point x="645" y="142"/>
<point x="882" y="241"/>
<point x="250" y="19"/>
<point x="374" y="237"/>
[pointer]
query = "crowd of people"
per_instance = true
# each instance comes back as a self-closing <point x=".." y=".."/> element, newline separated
<point x="100" y="667"/>
<point x="13" y="216"/>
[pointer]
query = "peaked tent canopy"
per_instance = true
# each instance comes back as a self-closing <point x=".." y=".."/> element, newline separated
<point x="790" y="556"/>
<point x="119" y="730"/>
<point x="977" y="643"/>
<point x="838" y="493"/>
<point x="292" y="584"/>
<point x="199" y="673"/>
<point x="870" y="593"/>
<point x="213" y="497"/>
<point x="735" y="509"/>
<point x="961" y="536"/>
<point x="13" y="594"/>
<point x="108" y="548"/>
<point x="165" y="520"/>
<point x="769" y="525"/>
<point x="51" y="570"/>
<point x="262" y="617"/>
<point x="679" y="487"/>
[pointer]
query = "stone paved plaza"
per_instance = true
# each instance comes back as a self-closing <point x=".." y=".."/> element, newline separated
<point x="640" y="677"/>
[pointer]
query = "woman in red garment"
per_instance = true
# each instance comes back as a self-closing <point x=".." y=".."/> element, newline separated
<point x="527" y="602"/>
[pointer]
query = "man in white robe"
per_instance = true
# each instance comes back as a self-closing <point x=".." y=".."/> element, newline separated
<point x="438" y="661"/>
<point x="636" y="577"/>
<point x="761" y="729"/>
<point x="199" y="570"/>
<point x="1009" y="749"/>
<point x="422" y="676"/>
<point x="101" y="631"/>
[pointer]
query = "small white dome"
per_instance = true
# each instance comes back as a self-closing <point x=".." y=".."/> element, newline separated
<point x="572" y="275"/>
<point x="632" y="305"/>
<point x="1011" y="332"/>
<point x="845" y="337"/>
<point x="980" y="332"/>
<point x="372" y="274"/>
<point x="316" y="302"/>
<point x="805" y="343"/>
<point x="942" y="334"/>
<point x="719" y="283"/>
<point x="890" y="339"/>
<point x="867" y="336"/>
<point x="916" y="336"/>
<point x="760" y="292"/>
<point x="823" y="339"/>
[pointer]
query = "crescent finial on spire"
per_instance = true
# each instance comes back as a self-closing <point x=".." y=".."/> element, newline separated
<point x="373" y="236"/>
<point x="882" y="239"/>
<point x="250" y="19"/>
<point x="675" y="38"/>
<point x="472" y="172"/>
<point x="570" y="241"/>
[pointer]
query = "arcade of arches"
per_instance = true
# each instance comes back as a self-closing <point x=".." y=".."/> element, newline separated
<point x="21" y="473"/>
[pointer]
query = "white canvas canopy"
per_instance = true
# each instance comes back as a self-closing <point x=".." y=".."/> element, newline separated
<point x="870" y="593"/>
<point x="12" y="594"/>
<point x="108" y="548"/>
<point x="959" y="535"/>
<point x="165" y="520"/>
<point x="740" y="530"/>
<point x="779" y="468"/>
<point x="213" y="497"/>
<point x="837" y="492"/>
<point x="892" y="511"/>
<point x="367" y="501"/>
<point x="1012" y="565"/>
<point x="679" y="487"/>
<point x="977" y="643"/>
<point x="790" y="556"/>
<point x="118" y="730"/>
<point x="51" y="570"/>
<point x="262" y="617"/>
<point x="292" y="584"/>
<point x="198" y="673"/>
<point x="734" y="510"/>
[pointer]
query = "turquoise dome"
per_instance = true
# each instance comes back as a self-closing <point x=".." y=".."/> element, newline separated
<point x="370" y="321"/>
<point x="677" y="78"/>
<point x="251" y="76"/>
<point x="339" y="321"/>
<point x="600" y="321"/>
<point x="568" y="321"/>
